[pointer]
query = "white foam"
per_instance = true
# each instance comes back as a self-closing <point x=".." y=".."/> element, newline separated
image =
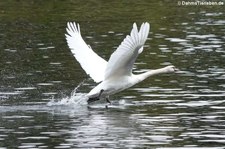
<point x="74" y="99"/>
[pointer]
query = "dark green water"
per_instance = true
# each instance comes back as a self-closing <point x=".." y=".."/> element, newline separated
<point x="184" y="110"/>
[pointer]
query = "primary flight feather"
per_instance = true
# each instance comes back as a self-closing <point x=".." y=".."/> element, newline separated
<point x="87" y="58"/>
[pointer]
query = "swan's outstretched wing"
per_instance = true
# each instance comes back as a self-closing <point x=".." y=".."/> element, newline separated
<point x="122" y="60"/>
<point x="92" y="64"/>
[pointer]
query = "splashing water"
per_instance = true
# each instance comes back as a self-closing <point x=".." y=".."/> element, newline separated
<point x="79" y="99"/>
<point x="74" y="99"/>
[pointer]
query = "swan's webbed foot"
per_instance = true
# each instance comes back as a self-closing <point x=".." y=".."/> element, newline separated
<point x="90" y="100"/>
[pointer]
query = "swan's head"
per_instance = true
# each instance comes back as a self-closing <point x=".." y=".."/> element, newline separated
<point x="171" y="69"/>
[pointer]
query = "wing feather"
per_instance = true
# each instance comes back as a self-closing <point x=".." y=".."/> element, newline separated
<point x="122" y="60"/>
<point x="92" y="64"/>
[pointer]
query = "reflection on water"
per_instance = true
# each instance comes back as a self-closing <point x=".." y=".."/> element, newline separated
<point x="129" y="124"/>
<point x="38" y="74"/>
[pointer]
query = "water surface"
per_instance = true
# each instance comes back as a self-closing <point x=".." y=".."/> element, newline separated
<point x="39" y="74"/>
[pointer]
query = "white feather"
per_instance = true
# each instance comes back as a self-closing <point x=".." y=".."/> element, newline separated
<point x="116" y="75"/>
<point x="122" y="60"/>
<point x="92" y="64"/>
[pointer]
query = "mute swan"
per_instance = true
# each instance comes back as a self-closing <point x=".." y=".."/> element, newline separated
<point x="116" y="74"/>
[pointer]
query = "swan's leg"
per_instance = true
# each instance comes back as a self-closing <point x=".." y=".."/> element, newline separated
<point x="90" y="100"/>
<point x="107" y="99"/>
<point x="109" y="102"/>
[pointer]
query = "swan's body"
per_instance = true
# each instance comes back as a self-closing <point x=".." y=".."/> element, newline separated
<point x="116" y="74"/>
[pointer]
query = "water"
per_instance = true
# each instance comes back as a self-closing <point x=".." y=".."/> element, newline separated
<point x="42" y="87"/>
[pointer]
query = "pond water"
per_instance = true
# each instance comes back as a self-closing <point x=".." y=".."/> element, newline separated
<point x="42" y="85"/>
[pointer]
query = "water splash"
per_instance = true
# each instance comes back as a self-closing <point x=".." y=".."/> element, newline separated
<point x="74" y="99"/>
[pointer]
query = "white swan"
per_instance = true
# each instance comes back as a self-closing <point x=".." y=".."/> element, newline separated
<point x="116" y="74"/>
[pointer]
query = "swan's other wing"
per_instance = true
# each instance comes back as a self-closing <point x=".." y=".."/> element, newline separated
<point x="122" y="60"/>
<point x="92" y="64"/>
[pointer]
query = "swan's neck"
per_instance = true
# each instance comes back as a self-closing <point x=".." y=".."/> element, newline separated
<point x="143" y="76"/>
